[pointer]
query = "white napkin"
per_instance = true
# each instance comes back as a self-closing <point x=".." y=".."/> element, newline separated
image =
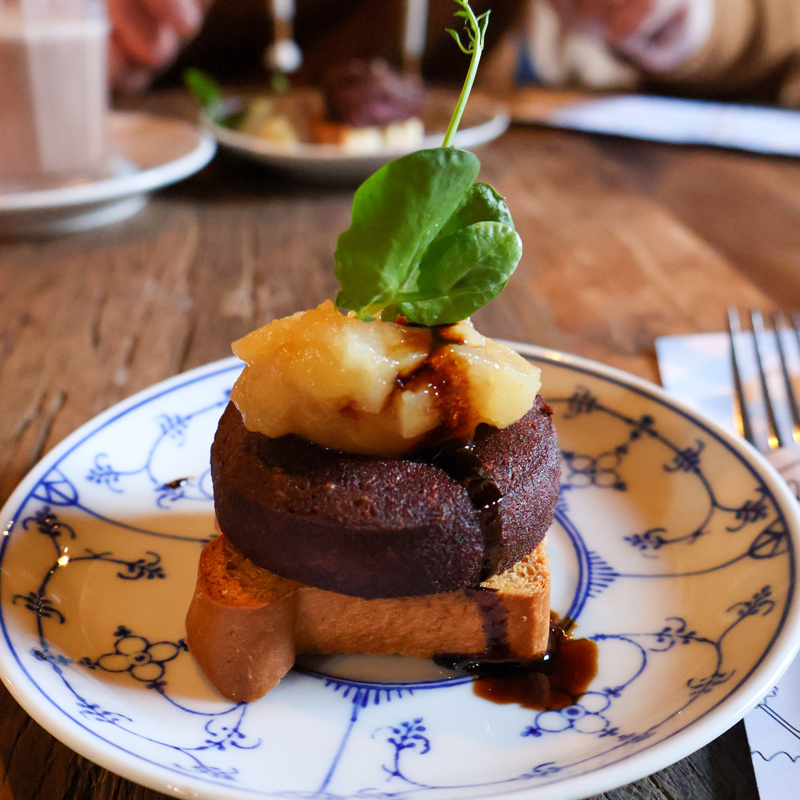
<point x="696" y="369"/>
<point x="676" y="120"/>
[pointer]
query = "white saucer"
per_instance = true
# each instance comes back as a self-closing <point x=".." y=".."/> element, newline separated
<point x="149" y="152"/>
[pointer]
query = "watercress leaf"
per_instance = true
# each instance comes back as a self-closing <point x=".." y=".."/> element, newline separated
<point x="204" y="88"/>
<point x="463" y="272"/>
<point x="481" y="204"/>
<point x="397" y="213"/>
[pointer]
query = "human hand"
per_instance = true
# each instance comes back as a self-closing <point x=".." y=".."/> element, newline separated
<point x="147" y="34"/>
<point x="658" y="34"/>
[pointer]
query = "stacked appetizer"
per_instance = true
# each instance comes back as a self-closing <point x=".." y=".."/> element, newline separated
<point x="384" y="475"/>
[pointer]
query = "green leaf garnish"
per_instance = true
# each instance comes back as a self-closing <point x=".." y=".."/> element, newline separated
<point x="397" y="214"/>
<point x="204" y="88"/>
<point x="426" y="241"/>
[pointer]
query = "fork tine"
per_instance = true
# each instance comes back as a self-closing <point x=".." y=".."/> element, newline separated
<point x="775" y="437"/>
<point x="779" y="323"/>
<point x="734" y="329"/>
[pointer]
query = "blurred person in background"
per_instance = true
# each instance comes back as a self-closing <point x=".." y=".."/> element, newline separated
<point x="728" y="49"/>
<point x="147" y="35"/>
<point x="746" y="50"/>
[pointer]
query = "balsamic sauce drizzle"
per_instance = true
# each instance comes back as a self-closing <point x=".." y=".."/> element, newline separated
<point x="564" y="672"/>
<point x="176" y="484"/>
<point x="462" y="464"/>
<point x="552" y="682"/>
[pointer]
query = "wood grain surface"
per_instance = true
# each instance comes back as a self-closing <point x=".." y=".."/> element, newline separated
<point x="624" y="242"/>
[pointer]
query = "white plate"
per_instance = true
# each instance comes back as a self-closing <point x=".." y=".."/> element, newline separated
<point x="148" y="152"/>
<point x="483" y="121"/>
<point x="675" y="547"/>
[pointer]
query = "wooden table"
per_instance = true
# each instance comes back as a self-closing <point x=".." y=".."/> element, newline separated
<point x="624" y="242"/>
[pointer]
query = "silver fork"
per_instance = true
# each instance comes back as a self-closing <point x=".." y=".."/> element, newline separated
<point x="778" y="437"/>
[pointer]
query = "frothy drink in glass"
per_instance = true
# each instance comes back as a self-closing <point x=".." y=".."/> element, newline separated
<point x="53" y="90"/>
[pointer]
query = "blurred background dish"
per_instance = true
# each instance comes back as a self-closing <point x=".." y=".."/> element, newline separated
<point x="484" y="120"/>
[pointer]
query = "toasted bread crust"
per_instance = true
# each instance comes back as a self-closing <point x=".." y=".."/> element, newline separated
<point x="246" y="625"/>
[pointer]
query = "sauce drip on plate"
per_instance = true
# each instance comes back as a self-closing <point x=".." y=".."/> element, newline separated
<point x="554" y="681"/>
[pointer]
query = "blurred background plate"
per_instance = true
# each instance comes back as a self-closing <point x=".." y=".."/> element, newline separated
<point x="483" y="121"/>
<point x="147" y="153"/>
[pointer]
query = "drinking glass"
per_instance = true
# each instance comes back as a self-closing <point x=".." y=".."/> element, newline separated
<point x="53" y="91"/>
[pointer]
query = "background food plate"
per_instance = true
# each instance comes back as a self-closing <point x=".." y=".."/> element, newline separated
<point x="674" y="547"/>
<point x="483" y="121"/>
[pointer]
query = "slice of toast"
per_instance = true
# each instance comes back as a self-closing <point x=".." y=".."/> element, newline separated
<point x="246" y="625"/>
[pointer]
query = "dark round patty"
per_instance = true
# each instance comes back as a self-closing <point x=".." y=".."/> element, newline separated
<point x="384" y="527"/>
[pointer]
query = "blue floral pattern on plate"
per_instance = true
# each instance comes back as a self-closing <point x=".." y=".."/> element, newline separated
<point x="674" y="547"/>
